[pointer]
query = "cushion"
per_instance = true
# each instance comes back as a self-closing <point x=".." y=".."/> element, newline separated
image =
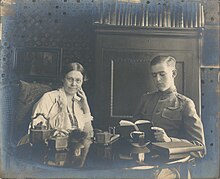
<point x="29" y="94"/>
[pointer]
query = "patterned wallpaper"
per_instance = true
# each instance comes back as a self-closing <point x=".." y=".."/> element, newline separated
<point x="65" y="24"/>
<point x="211" y="10"/>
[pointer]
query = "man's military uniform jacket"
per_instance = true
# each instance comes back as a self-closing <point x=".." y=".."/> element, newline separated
<point x="173" y="112"/>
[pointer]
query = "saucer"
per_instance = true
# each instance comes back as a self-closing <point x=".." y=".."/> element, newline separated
<point x="134" y="144"/>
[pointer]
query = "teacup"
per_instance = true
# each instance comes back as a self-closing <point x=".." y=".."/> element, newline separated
<point x="138" y="137"/>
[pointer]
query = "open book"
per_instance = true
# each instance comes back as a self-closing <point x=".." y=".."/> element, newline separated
<point x="126" y="127"/>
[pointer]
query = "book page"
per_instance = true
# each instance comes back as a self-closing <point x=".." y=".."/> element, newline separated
<point x="126" y="123"/>
<point x="142" y="121"/>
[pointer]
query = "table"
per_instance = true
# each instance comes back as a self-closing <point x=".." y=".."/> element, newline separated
<point x="88" y="155"/>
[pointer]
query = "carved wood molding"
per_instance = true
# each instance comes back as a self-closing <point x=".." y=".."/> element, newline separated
<point x="163" y="14"/>
<point x="153" y="31"/>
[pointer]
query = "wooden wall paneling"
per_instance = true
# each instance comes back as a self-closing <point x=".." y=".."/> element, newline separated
<point x="123" y="72"/>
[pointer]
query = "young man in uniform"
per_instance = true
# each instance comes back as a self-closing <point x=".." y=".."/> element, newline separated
<point x="173" y="115"/>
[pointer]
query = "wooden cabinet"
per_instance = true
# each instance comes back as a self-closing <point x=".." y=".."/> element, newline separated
<point x="123" y="74"/>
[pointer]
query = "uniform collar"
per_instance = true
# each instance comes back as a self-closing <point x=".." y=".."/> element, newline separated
<point x="169" y="92"/>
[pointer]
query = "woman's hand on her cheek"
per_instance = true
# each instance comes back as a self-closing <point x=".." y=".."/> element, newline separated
<point x="83" y="102"/>
<point x="82" y="94"/>
<point x="160" y="135"/>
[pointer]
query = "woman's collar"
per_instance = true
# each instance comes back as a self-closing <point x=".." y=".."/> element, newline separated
<point x="62" y="96"/>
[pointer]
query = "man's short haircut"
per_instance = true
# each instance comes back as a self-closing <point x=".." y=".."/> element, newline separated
<point x="169" y="60"/>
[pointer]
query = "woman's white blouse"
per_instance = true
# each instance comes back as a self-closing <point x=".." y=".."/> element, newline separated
<point x="53" y="105"/>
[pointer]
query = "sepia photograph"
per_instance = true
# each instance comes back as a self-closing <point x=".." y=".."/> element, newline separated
<point x="109" y="89"/>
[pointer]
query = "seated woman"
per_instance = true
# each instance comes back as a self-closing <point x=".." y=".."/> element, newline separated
<point x="67" y="108"/>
